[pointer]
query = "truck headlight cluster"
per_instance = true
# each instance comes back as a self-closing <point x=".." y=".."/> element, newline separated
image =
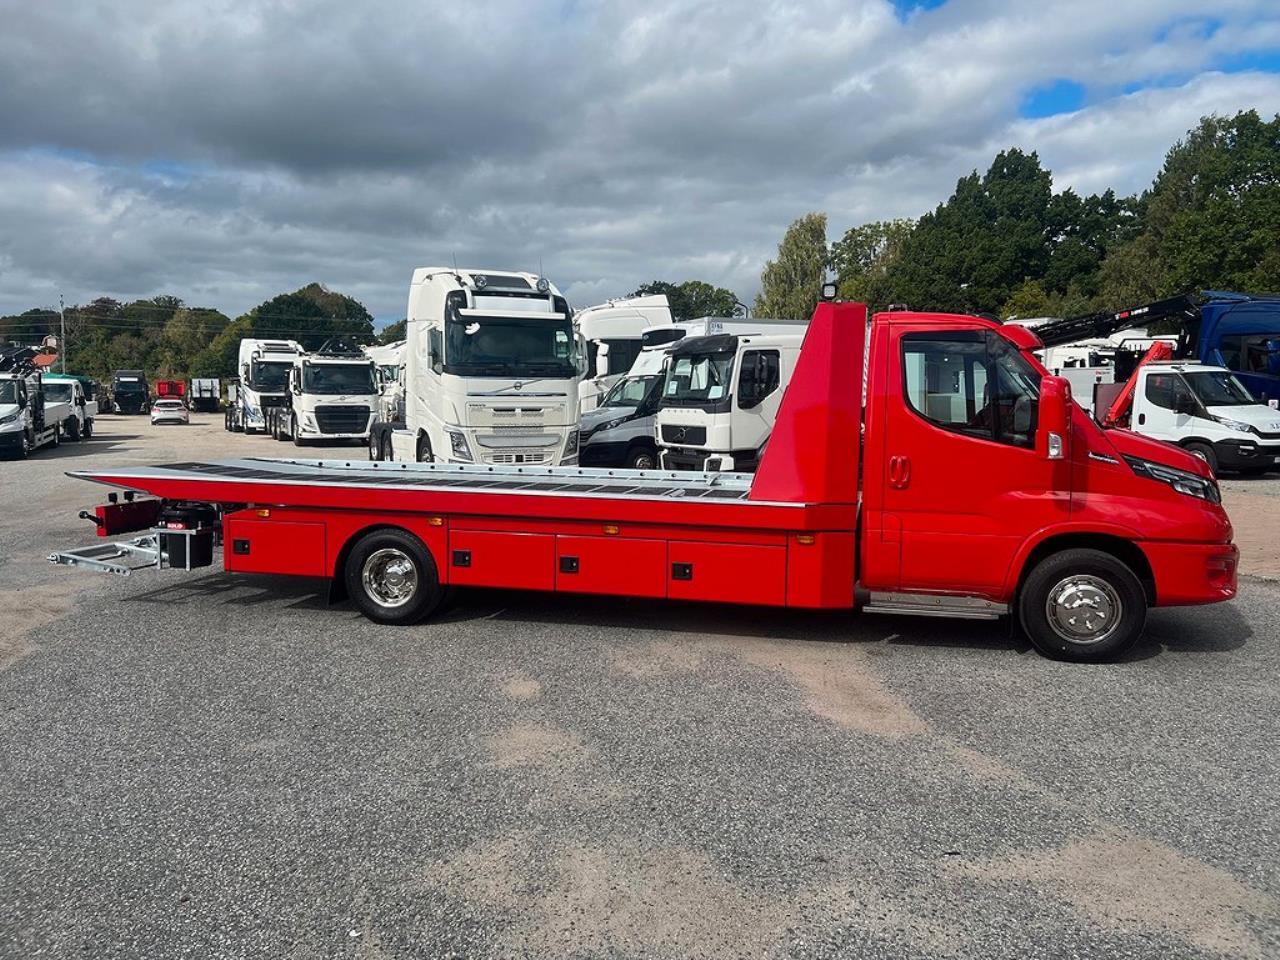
<point x="571" y="444"/>
<point x="10" y="417"/>
<point x="458" y="444"/>
<point x="1180" y="480"/>
<point x="1235" y="425"/>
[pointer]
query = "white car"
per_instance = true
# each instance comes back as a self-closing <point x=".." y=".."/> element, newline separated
<point x="169" y="411"/>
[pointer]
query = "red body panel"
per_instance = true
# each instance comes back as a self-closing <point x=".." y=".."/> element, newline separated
<point x="728" y="572"/>
<point x="613" y="565"/>
<point x="498" y="558"/>
<point x="253" y="545"/>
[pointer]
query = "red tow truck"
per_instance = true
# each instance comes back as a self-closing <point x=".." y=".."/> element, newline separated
<point x="970" y="485"/>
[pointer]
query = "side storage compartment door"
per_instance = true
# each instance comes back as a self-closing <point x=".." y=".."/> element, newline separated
<point x="632" y="568"/>
<point x="517" y="561"/>
<point x="289" y="547"/>
<point x="727" y="572"/>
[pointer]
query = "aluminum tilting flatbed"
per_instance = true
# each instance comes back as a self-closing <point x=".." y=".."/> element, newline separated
<point x="969" y="486"/>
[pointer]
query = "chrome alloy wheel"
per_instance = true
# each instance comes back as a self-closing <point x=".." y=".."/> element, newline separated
<point x="390" y="577"/>
<point x="1083" y="609"/>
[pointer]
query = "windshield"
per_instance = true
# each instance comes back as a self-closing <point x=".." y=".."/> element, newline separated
<point x="332" y="378"/>
<point x="129" y="386"/>
<point x="510" y="347"/>
<point x="390" y="372"/>
<point x="696" y="379"/>
<point x="1219" y="389"/>
<point x="269" y="376"/>
<point x="8" y="391"/>
<point x="629" y="392"/>
<point x="57" y="390"/>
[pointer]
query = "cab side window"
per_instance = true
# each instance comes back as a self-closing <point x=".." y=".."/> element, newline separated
<point x="1168" y="390"/>
<point x="759" y="377"/>
<point x="974" y="383"/>
<point x="435" y="349"/>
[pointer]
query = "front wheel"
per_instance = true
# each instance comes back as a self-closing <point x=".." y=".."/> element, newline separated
<point x="88" y="429"/>
<point x="642" y="458"/>
<point x="391" y="577"/>
<point x="1082" y="605"/>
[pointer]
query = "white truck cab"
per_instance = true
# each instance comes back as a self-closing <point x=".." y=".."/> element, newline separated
<point x="491" y="372"/>
<point x="720" y="396"/>
<point x="388" y="359"/>
<point x="28" y="420"/>
<point x="264" y="376"/>
<point x="332" y="395"/>
<point x="62" y="388"/>
<point x="613" y="335"/>
<point x="1210" y="413"/>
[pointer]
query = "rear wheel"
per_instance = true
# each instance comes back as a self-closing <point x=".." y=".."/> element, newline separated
<point x="1205" y="453"/>
<point x="391" y="577"/>
<point x="374" y="448"/>
<point x="1082" y="605"/>
<point x="72" y="428"/>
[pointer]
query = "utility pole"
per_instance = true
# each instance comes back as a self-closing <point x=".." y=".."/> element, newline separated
<point x="62" y="340"/>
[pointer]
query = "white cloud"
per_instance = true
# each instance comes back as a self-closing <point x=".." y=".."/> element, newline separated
<point x="229" y="152"/>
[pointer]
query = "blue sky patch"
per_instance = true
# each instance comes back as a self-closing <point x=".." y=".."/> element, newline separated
<point x="905" y="8"/>
<point x="1060" y="96"/>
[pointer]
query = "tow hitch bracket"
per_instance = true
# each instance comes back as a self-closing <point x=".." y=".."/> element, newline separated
<point x="104" y="557"/>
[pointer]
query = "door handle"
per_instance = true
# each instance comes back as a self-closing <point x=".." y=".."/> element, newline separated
<point x="899" y="472"/>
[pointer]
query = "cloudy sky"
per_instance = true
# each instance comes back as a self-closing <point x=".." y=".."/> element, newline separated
<point x="228" y="150"/>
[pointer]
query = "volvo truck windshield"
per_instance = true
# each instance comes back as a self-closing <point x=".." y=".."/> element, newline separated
<point x="509" y="347"/>
<point x="699" y="380"/>
<point x="269" y="376"/>
<point x="332" y="378"/>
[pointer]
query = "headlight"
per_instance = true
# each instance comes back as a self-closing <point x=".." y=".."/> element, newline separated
<point x="1182" y="481"/>
<point x="458" y="443"/>
<point x="614" y="424"/>
<point x="1235" y="425"/>
<point x="571" y="445"/>
<point x="9" y="418"/>
<point x="252" y="413"/>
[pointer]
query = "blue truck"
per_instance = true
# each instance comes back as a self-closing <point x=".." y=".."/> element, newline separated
<point x="1242" y="333"/>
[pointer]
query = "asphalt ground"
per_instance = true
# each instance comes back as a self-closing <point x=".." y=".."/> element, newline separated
<point x="211" y="765"/>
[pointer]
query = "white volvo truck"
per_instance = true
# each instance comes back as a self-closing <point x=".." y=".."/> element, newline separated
<point x="613" y="334"/>
<point x="332" y="395"/>
<point x="491" y="372"/>
<point x="264" y="376"/>
<point x="388" y="359"/>
<point x="720" y="397"/>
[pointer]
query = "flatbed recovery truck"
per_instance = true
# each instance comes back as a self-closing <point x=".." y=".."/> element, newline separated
<point x="970" y="486"/>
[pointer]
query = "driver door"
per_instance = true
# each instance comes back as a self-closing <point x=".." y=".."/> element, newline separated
<point x="963" y="481"/>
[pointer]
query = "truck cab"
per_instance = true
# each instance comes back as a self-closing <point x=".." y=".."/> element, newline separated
<point x="63" y="388"/>
<point x="130" y="392"/>
<point x="612" y="334"/>
<point x="491" y="372"/>
<point x="332" y="395"/>
<point x="1208" y="411"/>
<point x="720" y="396"/>
<point x="1242" y="333"/>
<point x="264" y="378"/>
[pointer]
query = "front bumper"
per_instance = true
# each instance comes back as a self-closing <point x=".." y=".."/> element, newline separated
<point x="699" y="461"/>
<point x="1247" y="454"/>
<point x="1192" y="573"/>
<point x="610" y="454"/>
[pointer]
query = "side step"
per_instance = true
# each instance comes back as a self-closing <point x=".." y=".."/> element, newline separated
<point x="935" y="605"/>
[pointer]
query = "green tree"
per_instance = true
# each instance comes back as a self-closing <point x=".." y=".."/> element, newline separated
<point x="691" y="299"/>
<point x="791" y="285"/>
<point x="1213" y="211"/>
<point x="393" y="332"/>
<point x="862" y="257"/>
<point x="987" y="239"/>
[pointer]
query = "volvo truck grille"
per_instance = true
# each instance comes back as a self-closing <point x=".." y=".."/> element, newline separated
<point x="342" y="419"/>
<point x="678" y="433"/>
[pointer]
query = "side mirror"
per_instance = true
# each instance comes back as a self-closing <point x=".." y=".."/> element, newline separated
<point x="602" y="359"/>
<point x="1054" y="433"/>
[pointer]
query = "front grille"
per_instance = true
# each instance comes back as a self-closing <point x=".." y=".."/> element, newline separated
<point x="342" y="419"/>
<point x="678" y="433"/>
<point x="516" y="458"/>
<point x="272" y="401"/>
<point x="1269" y="436"/>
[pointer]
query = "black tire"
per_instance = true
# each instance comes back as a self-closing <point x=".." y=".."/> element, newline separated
<point x="1205" y="453"/>
<point x="642" y="458"/>
<point x="24" y="448"/>
<point x="88" y="429"/>
<point x="385" y="550"/>
<point x="73" y="428"/>
<point x="375" y="448"/>
<point x="424" y="449"/>
<point x="1097" y="581"/>
<point x="293" y="429"/>
<point x="57" y="436"/>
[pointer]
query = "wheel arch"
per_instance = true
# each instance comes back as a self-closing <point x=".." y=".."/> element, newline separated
<point x="1123" y="548"/>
